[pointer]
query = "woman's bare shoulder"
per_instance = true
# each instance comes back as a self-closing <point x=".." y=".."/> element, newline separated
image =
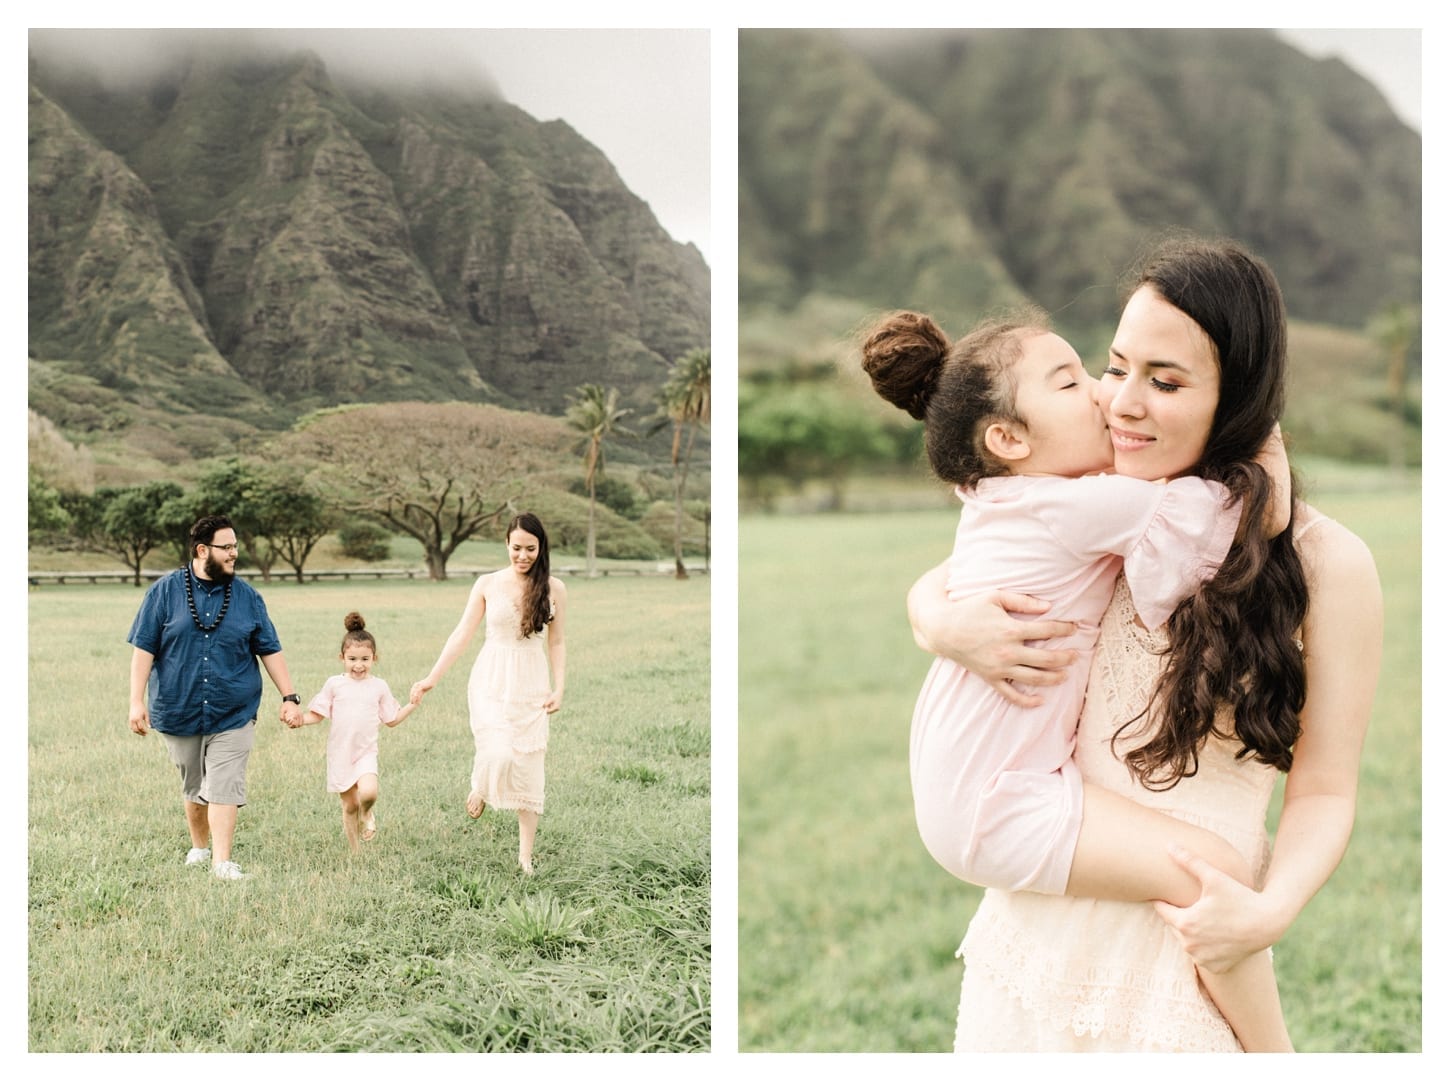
<point x="1331" y="552"/>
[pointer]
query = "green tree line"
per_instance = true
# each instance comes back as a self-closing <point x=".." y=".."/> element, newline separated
<point x="1353" y="396"/>
<point x="441" y="474"/>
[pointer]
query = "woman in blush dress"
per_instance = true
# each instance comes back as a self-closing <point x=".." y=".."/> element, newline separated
<point x="1270" y="666"/>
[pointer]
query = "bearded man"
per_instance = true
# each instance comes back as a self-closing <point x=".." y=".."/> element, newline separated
<point x="197" y="639"/>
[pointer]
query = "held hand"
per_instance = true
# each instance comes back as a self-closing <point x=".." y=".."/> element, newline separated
<point x="291" y="715"/>
<point x="1228" y="922"/>
<point x="140" y="720"/>
<point x="422" y="687"/>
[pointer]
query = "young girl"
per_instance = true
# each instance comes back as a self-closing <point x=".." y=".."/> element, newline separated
<point x="358" y="703"/>
<point x="509" y="697"/>
<point x="1012" y="420"/>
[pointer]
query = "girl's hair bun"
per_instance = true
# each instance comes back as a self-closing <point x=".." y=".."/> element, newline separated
<point x="903" y="353"/>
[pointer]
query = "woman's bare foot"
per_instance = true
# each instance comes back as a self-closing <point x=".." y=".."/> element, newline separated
<point x="475" y="804"/>
<point x="526" y="864"/>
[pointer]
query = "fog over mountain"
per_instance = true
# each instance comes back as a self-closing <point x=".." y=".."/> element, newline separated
<point x="220" y="227"/>
<point x="630" y="92"/>
<point x="956" y="171"/>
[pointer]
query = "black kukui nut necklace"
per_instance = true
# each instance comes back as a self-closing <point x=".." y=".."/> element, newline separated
<point x="191" y="603"/>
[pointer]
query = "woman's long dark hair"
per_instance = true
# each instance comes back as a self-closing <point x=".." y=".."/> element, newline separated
<point x="1235" y="641"/>
<point x="537" y="611"/>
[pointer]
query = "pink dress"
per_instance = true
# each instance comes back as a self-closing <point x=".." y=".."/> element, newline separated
<point x="998" y="797"/>
<point x="358" y="708"/>
<point x="1078" y="974"/>
<point x="507" y="690"/>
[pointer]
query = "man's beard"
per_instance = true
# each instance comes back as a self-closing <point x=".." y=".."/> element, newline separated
<point x="214" y="571"/>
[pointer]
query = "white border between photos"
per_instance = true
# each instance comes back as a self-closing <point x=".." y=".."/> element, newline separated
<point x="723" y="20"/>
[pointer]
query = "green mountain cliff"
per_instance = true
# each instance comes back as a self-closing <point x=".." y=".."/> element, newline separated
<point x="230" y="242"/>
<point x="955" y="171"/>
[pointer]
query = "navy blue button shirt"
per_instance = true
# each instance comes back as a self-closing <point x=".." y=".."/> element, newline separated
<point x="201" y="682"/>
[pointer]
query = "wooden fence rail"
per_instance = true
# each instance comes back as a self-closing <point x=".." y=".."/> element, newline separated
<point x="61" y="578"/>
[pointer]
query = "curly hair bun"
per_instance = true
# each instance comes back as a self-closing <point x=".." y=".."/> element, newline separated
<point x="353" y="621"/>
<point x="903" y="354"/>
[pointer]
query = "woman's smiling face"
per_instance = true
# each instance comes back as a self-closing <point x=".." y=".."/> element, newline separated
<point x="523" y="550"/>
<point x="1160" y="389"/>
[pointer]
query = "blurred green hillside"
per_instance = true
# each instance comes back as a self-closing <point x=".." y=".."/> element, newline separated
<point x="958" y="172"/>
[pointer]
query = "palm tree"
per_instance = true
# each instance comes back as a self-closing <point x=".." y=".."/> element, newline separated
<point x="685" y="402"/>
<point x="596" y="414"/>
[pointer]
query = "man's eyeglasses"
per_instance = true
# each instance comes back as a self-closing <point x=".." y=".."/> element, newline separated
<point x="224" y="547"/>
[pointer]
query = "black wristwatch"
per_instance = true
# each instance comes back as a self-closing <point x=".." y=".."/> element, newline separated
<point x="294" y="699"/>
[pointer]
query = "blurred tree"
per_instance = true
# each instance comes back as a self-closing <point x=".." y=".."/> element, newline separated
<point x="229" y="488"/>
<point x="595" y="413"/>
<point x="439" y="473"/>
<point x="47" y="512"/>
<point x="175" y="518"/>
<point x="126" y="522"/>
<point x="619" y="496"/>
<point x="276" y="513"/>
<point x="1395" y="329"/>
<point x="293" y="518"/>
<point x="364" y="540"/>
<point x="85" y="515"/>
<point x="791" y="433"/>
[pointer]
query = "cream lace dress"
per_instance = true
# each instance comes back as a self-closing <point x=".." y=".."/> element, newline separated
<point x="507" y="690"/>
<point x="1054" y="973"/>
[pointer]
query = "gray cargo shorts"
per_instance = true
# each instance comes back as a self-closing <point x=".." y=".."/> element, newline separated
<point x="213" y="768"/>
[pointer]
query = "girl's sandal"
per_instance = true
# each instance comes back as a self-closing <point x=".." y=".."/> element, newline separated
<point x="369" y="828"/>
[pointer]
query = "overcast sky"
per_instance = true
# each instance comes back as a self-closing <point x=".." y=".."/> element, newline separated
<point x="1388" y="58"/>
<point x="641" y="96"/>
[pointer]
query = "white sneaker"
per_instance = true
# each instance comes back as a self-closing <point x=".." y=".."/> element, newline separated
<point x="198" y="855"/>
<point x="228" y="869"/>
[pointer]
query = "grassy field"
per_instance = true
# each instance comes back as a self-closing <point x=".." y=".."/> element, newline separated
<point x="427" y="940"/>
<point x="847" y="928"/>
